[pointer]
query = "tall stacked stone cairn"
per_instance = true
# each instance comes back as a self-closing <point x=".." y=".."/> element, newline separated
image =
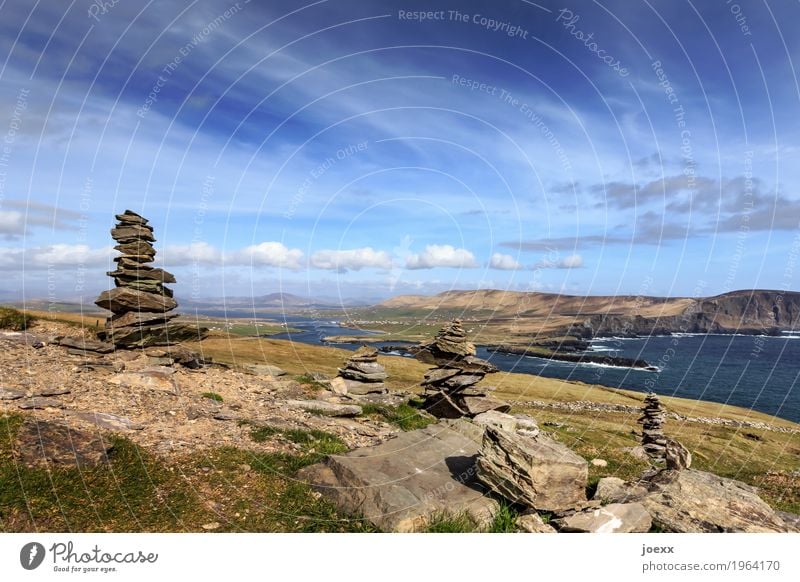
<point x="142" y="306"/>
<point x="362" y="374"/>
<point x="450" y="387"/>
<point x="654" y="440"/>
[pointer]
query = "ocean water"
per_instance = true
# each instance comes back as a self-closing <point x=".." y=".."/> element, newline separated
<point x="757" y="372"/>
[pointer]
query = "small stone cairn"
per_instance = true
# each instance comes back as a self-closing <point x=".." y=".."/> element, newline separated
<point x="654" y="441"/>
<point x="142" y="306"/>
<point x="362" y="374"/>
<point x="450" y="387"/>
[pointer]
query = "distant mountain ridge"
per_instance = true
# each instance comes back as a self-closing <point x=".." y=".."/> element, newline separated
<point x="277" y="301"/>
<point x="757" y="311"/>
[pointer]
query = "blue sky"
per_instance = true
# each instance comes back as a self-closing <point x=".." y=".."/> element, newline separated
<point x="353" y="149"/>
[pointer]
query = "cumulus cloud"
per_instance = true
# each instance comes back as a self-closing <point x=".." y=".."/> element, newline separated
<point x="441" y="256"/>
<point x="272" y="254"/>
<point x="351" y="260"/>
<point x="59" y="256"/>
<point x="568" y="262"/>
<point x="503" y="262"/>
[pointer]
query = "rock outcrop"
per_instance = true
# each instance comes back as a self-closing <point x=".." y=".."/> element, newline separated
<point x="450" y="387"/>
<point x="694" y="501"/>
<point x="537" y="472"/>
<point x="362" y="374"/>
<point x="405" y="483"/>
<point x="141" y="304"/>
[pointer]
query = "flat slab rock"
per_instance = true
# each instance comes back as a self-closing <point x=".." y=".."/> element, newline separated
<point x="613" y="518"/>
<point x="400" y="485"/>
<point x="326" y="408"/>
<point x="39" y="403"/>
<point x="108" y="421"/>
<point x="11" y="394"/>
<point x="48" y="442"/>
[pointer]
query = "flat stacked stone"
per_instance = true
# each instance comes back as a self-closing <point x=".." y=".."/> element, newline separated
<point x="362" y="374"/>
<point x="140" y="303"/>
<point x="654" y="441"/>
<point x="450" y="387"/>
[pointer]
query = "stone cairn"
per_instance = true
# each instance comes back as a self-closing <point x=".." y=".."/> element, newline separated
<point x="362" y="374"/>
<point x="450" y="387"/>
<point x="654" y="440"/>
<point x="141" y="305"/>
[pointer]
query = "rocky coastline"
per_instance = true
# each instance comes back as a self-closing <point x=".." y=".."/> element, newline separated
<point x="577" y="358"/>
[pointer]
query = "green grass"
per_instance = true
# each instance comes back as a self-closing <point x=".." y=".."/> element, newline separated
<point x="447" y="523"/>
<point x="505" y="520"/>
<point x="134" y="493"/>
<point x="212" y="396"/>
<point x="315" y="444"/>
<point x="404" y="416"/>
<point x="139" y="492"/>
<point x="14" y="319"/>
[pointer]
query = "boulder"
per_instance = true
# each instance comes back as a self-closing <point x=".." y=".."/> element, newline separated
<point x="694" y="501"/>
<point x="610" y="489"/>
<point x="404" y="483"/>
<point x="677" y="456"/>
<point x="614" y="518"/>
<point x="534" y="471"/>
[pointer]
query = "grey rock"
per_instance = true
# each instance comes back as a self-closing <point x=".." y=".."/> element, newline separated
<point x="496" y="419"/>
<point x="610" y="489"/>
<point x="326" y="408"/>
<point x="87" y="345"/>
<point x="108" y="421"/>
<point x="538" y="472"/>
<point x="44" y="392"/>
<point x="677" y="456"/>
<point x="264" y="370"/>
<point x="613" y="518"/>
<point x="531" y="522"/>
<point x="10" y="394"/>
<point x="360" y="388"/>
<point x="39" y="403"/>
<point x="402" y="484"/>
<point x="692" y="501"/>
<point x="477" y="404"/>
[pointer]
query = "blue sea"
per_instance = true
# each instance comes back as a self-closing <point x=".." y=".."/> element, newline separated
<point x="758" y="372"/>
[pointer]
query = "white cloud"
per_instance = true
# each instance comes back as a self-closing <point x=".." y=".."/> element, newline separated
<point x="268" y="253"/>
<point x="11" y="223"/>
<point x="59" y="256"/>
<point x="568" y="262"/>
<point x="272" y="254"/>
<point x="441" y="256"/>
<point x="503" y="262"/>
<point x="351" y="260"/>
